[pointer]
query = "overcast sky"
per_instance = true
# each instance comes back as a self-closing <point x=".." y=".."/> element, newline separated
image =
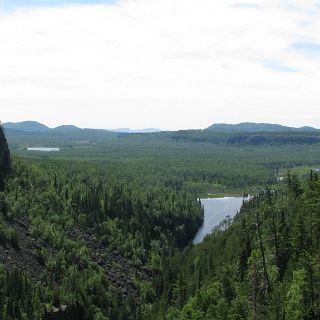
<point x="168" y="64"/>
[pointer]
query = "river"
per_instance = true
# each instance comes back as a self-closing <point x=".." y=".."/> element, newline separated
<point x="215" y="211"/>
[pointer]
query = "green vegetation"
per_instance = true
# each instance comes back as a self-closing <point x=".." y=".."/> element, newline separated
<point x="265" y="266"/>
<point x="200" y="162"/>
<point x="256" y="127"/>
<point x="99" y="237"/>
<point x="104" y="228"/>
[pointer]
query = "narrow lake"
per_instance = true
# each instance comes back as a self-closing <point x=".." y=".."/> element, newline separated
<point x="215" y="211"/>
<point x="41" y="149"/>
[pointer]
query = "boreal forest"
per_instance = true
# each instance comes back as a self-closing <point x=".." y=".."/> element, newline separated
<point x="103" y="229"/>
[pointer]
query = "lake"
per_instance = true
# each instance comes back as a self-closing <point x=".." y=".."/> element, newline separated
<point x="215" y="211"/>
<point x="41" y="149"/>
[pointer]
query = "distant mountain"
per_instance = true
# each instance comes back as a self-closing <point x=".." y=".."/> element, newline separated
<point x="33" y="126"/>
<point x="255" y="127"/>
<point x="306" y="128"/>
<point x="127" y="130"/>
<point x="66" y="129"/>
<point x="28" y="126"/>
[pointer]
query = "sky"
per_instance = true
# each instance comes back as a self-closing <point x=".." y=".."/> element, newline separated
<point x="168" y="64"/>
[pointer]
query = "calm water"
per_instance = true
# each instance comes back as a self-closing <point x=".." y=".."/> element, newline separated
<point x="44" y="149"/>
<point x="216" y="210"/>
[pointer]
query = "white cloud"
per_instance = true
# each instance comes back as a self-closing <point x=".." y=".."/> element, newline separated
<point x="160" y="63"/>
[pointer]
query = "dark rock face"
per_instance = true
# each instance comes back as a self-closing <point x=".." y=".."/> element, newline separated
<point x="119" y="271"/>
<point x="4" y="158"/>
<point x="24" y="256"/>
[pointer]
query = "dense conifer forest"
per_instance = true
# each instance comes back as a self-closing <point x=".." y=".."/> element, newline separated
<point x="264" y="266"/>
<point x="105" y="231"/>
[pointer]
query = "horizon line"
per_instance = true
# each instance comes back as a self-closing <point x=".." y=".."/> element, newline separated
<point x="157" y="129"/>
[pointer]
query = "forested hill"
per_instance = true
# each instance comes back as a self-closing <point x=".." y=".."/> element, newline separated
<point x="106" y="233"/>
<point x="26" y="126"/>
<point x="264" y="266"/>
<point x="81" y="241"/>
<point x="256" y="127"/>
<point x="235" y="138"/>
<point x="4" y="158"/>
<point x="34" y="126"/>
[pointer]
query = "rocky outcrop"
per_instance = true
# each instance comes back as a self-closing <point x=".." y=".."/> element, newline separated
<point x="119" y="271"/>
<point x="4" y="158"/>
<point x="25" y="254"/>
<point x="26" y="257"/>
